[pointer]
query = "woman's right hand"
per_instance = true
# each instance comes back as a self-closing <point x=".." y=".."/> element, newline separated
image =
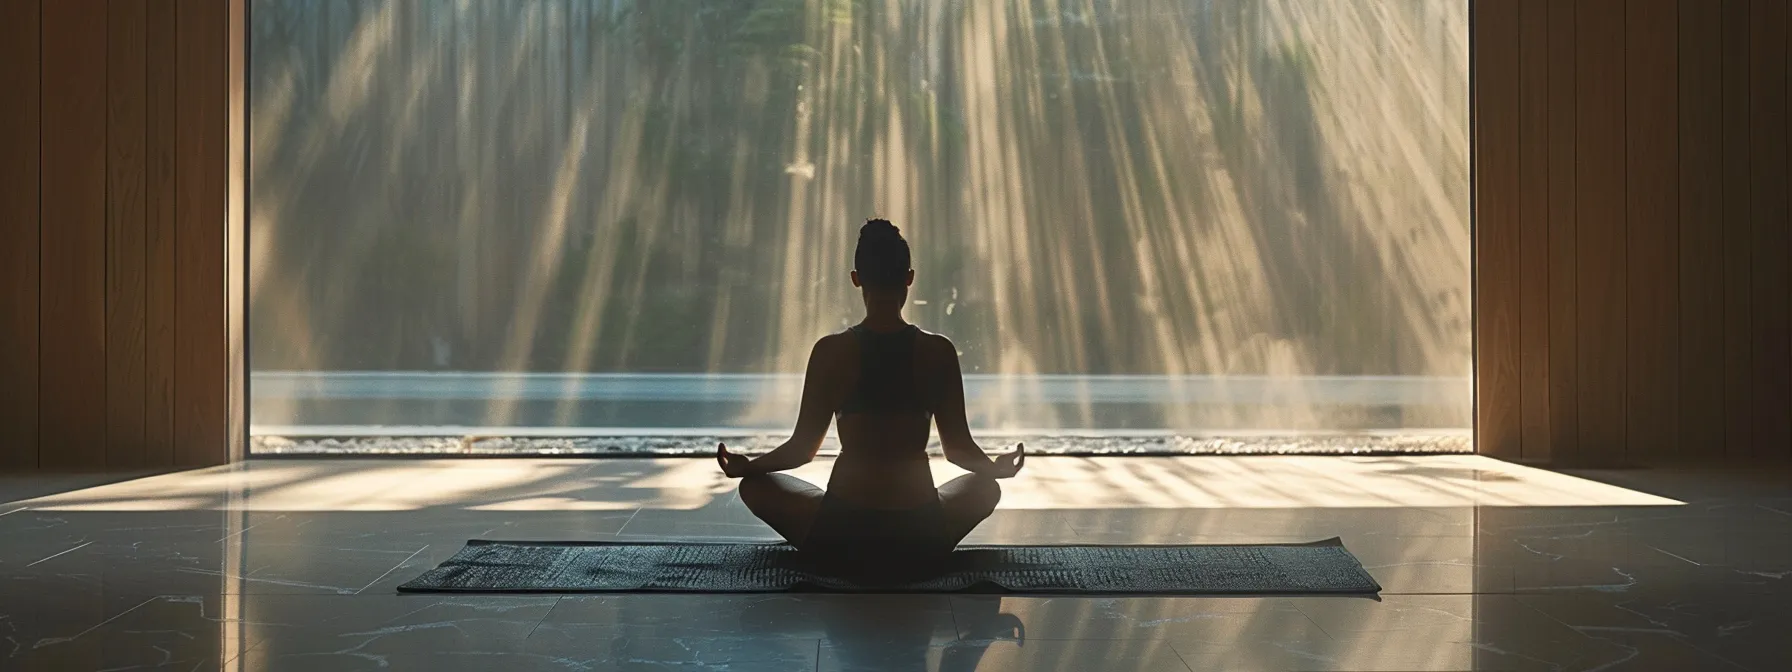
<point x="1008" y="465"/>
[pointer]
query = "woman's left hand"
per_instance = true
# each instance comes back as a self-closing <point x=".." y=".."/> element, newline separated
<point x="1008" y="465"/>
<point x="733" y="465"/>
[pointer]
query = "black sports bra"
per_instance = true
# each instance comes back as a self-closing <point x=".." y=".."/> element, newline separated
<point x="886" y="374"/>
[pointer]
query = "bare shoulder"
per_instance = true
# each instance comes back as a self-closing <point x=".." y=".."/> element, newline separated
<point x="831" y="345"/>
<point x="938" y="345"/>
<point x="827" y="360"/>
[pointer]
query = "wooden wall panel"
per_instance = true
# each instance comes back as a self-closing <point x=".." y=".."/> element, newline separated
<point x="1652" y="180"/>
<point x="1665" y="184"/>
<point x="126" y="83"/>
<point x="121" y="189"/>
<point x="1533" y="228"/>
<point x="19" y="137"/>
<point x="200" y="400"/>
<point x="1496" y="128"/>
<point x="1738" y="374"/>
<point x="1564" y="391"/>
<point x="1772" y="362"/>
<point x="1600" y="276"/>
<point x="72" y="368"/>
<point x="1701" y="240"/>
<point x="158" y="287"/>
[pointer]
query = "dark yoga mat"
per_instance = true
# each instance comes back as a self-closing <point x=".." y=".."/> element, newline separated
<point x="1318" y="568"/>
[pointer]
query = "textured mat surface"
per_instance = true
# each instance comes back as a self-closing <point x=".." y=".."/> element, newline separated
<point x="1318" y="568"/>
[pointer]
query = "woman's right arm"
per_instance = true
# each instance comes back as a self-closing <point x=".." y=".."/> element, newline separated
<point x="954" y="428"/>
<point x="814" y="416"/>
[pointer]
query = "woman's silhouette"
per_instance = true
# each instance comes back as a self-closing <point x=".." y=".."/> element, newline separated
<point x="883" y="378"/>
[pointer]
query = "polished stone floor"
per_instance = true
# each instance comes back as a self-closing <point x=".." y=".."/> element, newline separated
<point x="291" y="565"/>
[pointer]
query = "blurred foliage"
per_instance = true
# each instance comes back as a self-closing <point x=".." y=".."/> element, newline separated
<point x="1157" y="186"/>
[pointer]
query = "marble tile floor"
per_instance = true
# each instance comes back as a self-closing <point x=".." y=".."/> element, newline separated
<point x="292" y="565"/>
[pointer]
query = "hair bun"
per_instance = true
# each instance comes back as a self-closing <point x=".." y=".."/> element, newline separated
<point x="879" y="228"/>
<point x="882" y="257"/>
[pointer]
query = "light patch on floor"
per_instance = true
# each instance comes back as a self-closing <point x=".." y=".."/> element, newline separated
<point x="1204" y="482"/>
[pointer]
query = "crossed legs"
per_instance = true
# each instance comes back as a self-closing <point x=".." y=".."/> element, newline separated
<point x="787" y="503"/>
<point x="790" y="504"/>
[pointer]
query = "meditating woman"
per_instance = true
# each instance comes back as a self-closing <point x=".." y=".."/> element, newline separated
<point x="884" y="379"/>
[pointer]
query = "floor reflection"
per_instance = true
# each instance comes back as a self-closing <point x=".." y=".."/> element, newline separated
<point x="856" y="637"/>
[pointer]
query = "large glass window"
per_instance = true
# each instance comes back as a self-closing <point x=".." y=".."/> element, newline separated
<point x="1138" y="219"/>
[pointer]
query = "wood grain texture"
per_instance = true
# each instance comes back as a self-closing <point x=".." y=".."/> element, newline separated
<point x="1564" y="390"/>
<point x="1738" y="311"/>
<point x="19" y="137"/>
<point x="201" y="370"/>
<point x="126" y="80"/>
<point x="1533" y="234"/>
<point x="1652" y="232"/>
<point x="72" y="383"/>
<point x="1599" y="220"/>
<point x="158" y="286"/>
<point x="1497" y="294"/>
<point x="1772" y="362"/>
<point x="1667" y="168"/>
<point x="1701" y="227"/>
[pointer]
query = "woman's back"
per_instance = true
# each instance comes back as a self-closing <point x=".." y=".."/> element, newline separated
<point x="888" y="380"/>
<point x="888" y="387"/>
